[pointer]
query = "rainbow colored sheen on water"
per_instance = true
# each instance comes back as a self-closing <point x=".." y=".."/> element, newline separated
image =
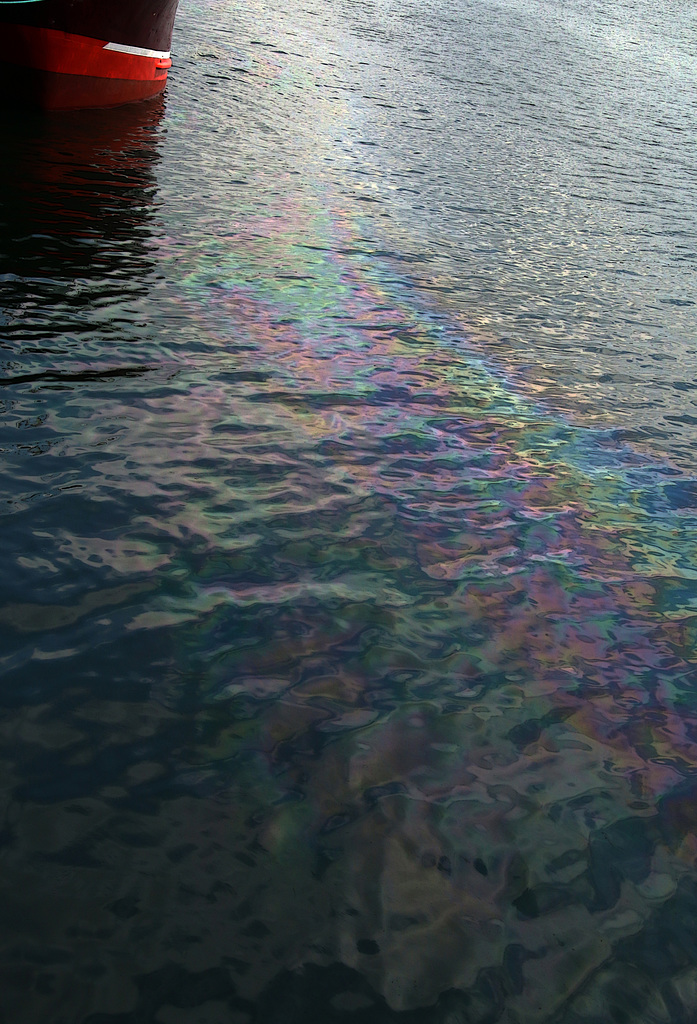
<point x="344" y="677"/>
<point x="462" y="684"/>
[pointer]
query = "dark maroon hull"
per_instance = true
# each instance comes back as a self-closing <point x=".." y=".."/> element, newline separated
<point x="61" y="54"/>
<point x="145" y="23"/>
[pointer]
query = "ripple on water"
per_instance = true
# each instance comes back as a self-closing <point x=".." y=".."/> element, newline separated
<point x="343" y="675"/>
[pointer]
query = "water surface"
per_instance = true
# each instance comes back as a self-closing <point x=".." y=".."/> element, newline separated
<point x="349" y="499"/>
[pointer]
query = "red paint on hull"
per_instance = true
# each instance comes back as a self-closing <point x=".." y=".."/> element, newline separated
<point x="50" y="91"/>
<point x="57" y="69"/>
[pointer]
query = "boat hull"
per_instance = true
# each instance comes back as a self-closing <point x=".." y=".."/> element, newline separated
<point x="63" y="54"/>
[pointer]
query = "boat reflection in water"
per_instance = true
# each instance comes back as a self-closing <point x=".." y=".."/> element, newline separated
<point x="63" y="54"/>
<point x="76" y="262"/>
<point x="76" y="202"/>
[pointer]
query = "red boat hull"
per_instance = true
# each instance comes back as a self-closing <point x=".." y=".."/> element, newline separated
<point x="63" y="54"/>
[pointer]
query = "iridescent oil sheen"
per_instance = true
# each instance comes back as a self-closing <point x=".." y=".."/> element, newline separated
<point x="348" y="673"/>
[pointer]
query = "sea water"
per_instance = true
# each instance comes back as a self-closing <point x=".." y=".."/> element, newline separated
<point x="349" y="492"/>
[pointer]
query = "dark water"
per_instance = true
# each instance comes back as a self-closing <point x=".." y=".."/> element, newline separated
<point x="348" y="536"/>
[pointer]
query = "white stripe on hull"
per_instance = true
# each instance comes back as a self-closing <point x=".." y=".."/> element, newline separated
<point x="137" y="51"/>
